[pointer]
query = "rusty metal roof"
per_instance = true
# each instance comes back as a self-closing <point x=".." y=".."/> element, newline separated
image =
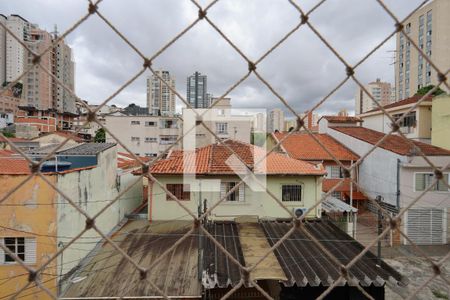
<point x="108" y="274"/>
<point x="304" y="263"/>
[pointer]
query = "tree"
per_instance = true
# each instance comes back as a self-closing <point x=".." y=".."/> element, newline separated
<point x="422" y="91"/>
<point x="9" y="134"/>
<point x="100" y="136"/>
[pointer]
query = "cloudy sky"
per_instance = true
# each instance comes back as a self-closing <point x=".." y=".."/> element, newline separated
<point x="302" y="69"/>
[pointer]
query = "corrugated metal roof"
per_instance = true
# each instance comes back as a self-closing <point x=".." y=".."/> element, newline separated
<point x="109" y="274"/>
<point x="304" y="263"/>
<point x="88" y="149"/>
<point x="332" y="204"/>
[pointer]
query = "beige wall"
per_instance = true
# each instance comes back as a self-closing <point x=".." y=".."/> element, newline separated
<point x="440" y="132"/>
<point x="256" y="203"/>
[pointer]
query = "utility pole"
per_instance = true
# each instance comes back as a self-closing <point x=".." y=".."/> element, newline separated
<point x="380" y="230"/>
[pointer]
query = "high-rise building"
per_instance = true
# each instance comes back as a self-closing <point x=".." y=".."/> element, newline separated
<point x="160" y="99"/>
<point x="380" y="91"/>
<point x="429" y="28"/>
<point x="37" y="85"/>
<point x="196" y="93"/>
<point x="15" y="53"/>
<point x="3" y="20"/>
<point x="64" y="70"/>
<point x="276" y="120"/>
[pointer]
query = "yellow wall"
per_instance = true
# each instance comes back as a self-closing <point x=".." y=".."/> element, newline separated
<point x="29" y="209"/>
<point x="257" y="203"/>
<point x="440" y="132"/>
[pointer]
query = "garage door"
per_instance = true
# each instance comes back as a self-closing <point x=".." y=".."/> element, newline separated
<point x="426" y="226"/>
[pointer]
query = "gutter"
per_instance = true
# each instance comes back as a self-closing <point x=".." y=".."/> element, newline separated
<point x="398" y="184"/>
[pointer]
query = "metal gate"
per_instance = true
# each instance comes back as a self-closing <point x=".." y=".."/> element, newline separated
<point x="426" y="226"/>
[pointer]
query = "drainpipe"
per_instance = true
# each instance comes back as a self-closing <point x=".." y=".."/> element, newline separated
<point x="398" y="184"/>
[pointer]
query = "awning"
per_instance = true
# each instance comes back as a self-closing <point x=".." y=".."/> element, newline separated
<point x="333" y="205"/>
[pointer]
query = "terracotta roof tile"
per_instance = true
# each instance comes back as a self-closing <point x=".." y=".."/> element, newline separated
<point x="217" y="159"/>
<point x="342" y="119"/>
<point x="410" y="100"/>
<point x="329" y="183"/>
<point x="303" y="146"/>
<point x="392" y="143"/>
<point x="14" y="166"/>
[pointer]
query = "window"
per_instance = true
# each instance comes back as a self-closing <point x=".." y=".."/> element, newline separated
<point x="179" y="190"/>
<point x="135" y="122"/>
<point x="22" y="247"/>
<point x="423" y="180"/>
<point x="336" y="195"/>
<point x="151" y="154"/>
<point x="168" y="123"/>
<point x="222" y="128"/>
<point x="236" y="195"/>
<point x="151" y="140"/>
<point x="334" y="172"/>
<point x="168" y="139"/>
<point x="291" y="192"/>
<point x="135" y="139"/>
<point x="149" y="124"/>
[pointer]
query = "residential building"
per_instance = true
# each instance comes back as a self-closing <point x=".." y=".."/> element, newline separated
<point x="20" y="143"/>
<point x="58" y="137"/>
<point x="37" y="85"/>
<point x="260" y="122"/>
<point x="380" y="91"/>
<point x="296" y="182"/>
<point x="160" y="98"/>
<point x="3" y="20"/>
<point x="55" y="221"/>
<point x="64" y="70"/>
<point x="276" y="120"/>
<point x="334" y="121"/>
<point x="44" y="120"/>
<point x="219" y="119"/>
<point x="396" y="174"/>
<point x="416" y="125"/>
<point x="144" y="135"/>
<point x="440" y="122"/>
<point x="197" y="91"/>
<point x="15" y="53"/>
<point x="428" y="27"/>
<point x="9" y="104"/>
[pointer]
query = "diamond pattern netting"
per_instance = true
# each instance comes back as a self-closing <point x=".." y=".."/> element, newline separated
<point x="350" y="73"/>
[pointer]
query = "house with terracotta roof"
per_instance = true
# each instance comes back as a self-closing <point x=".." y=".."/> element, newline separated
<point x="396" y="174"/>
<point x="36" y="220"/>
<point x="416" y="125"/>
<point x="202" y="177"/>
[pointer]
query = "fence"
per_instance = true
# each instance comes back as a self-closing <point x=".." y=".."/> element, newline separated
<point x="94" y="9"/>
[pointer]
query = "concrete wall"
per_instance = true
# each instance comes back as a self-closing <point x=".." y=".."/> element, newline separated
<point x="440" y="131"/>
<point x="30" y="209"/>
<point x="92" y="190"/>
<point x="257" y="203"/>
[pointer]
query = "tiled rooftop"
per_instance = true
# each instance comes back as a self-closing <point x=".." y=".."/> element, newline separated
<point x="392" y="143"/>
<point x="342" y="119"/>
<point x="217" y="159"/>
<point x="303" y="146"/>
<point x="88" y="149"/>
<point x="14" y="166"/>
<point x="410" y="100"/>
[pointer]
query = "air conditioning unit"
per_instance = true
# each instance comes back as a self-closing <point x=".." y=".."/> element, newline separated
<point x="299" y="211"/>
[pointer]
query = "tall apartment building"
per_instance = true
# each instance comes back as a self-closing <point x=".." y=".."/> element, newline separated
<point x="380" y="91"/>
<point x="160" y="99"/>
<point x="64" y="70"/>
<point x="3" y="20"/>
<point x="37" y="85"/>
<point x="196" y="93"/>
<point x="15" y="53"/>
<point x="429" y="28"/>
<point x="276" y="120"/>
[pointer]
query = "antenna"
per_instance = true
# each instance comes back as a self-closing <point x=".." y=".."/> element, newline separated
<point x="55" y="31"/>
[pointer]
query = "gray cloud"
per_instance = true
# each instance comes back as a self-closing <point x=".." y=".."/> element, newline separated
<point x="302" y="69"/>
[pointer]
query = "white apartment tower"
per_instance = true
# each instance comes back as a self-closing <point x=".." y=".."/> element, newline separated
<point x="380" y="91"/>
<point x="3" y="20"/>
<point x="429" y="28"/>
<point x="64" y="70"/>
<point x="276" y="120"/>
<point x="15" y="53"/>
<point x="160" y="99"/>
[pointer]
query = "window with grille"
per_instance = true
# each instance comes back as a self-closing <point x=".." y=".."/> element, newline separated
<point x="334" y="172"/>
<point x="23" y="247"/>
<point x="151" y="140"/>
<point x="135" y="122"/>
<point x="179" y="190"/>
<point x="423" y="180"/>
<point x="222" y="128"/>
<point x="135" y="139"/>
<point x="236" y="195"/>
<point x="291" y="192"/>
<point x="150" y="124"/>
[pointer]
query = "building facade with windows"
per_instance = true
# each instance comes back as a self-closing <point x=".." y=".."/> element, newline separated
<point x="417" y="125"/>
<point x="380" y="91"/>
<point x="401" y="178"/>
<point x="276" y="120"/>
<point x="429" y="28"/>
<point x="197" y="91"/>
<point x="212" y="173"/>
<point x="160" y="98"/>
<point x="144" y="135"/>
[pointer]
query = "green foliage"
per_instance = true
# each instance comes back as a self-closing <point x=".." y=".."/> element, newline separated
<point x="426" y="89"/>
<point x="9" y="134"/>
<point x="258" y="138"/>
<point x="100" y="136"/>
